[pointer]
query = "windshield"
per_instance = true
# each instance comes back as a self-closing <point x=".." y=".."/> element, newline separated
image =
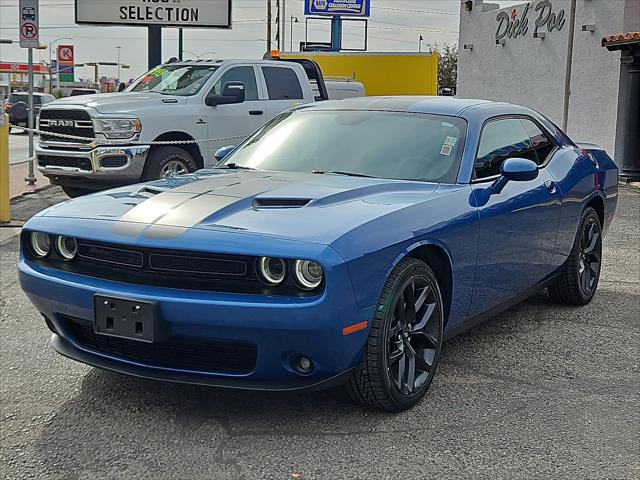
<point x="395" y="145"/>
<point x="175" y="80"/>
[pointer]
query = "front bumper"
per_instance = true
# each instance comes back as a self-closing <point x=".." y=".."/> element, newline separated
<point x="87" y="163"/>
<point x="279" y="327"/>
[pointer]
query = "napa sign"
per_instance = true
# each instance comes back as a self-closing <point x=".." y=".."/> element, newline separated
<point x="343" y="8"/>
<point x="510" y="25"/>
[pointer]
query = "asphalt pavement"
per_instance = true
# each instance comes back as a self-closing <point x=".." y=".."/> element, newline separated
<point x="541" y="391"/>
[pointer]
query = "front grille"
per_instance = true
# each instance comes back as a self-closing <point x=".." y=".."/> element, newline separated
<point x="82" y="125"/>
<point x="177" y="269"/>
<point x="54" y="161"/>
<point x="175" y="352"/>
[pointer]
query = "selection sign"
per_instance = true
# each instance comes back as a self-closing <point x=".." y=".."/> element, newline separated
<point x="29" y="24"/>
<point x="342" y="8"/>
<point x="167" y="13"/>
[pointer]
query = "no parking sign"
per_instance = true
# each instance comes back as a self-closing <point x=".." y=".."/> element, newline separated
<point x="29" y="24"/>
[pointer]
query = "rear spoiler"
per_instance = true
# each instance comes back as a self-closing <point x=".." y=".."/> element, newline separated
<point x="311" y="68"/>
<point x="591" y="147"/>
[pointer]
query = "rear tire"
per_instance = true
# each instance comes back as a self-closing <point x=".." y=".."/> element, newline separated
<point x="165" y="160"/>
<point x="581" y="272"/>
<point x="74" y="192"/>
<point x="403" y="347"/>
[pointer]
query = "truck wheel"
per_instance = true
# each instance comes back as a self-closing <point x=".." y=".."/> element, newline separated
<point x="74" y="192"/>
<point x="165" y="160"/>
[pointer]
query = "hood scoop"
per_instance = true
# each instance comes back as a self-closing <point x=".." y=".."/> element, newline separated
<point x="280" y="202"/>
<point x="148" y="191"/>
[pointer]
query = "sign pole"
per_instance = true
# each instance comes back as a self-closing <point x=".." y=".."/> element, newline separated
<point x="31" y="178"/>
<point x="336" y="33"/>
<point x="154" y="46"/>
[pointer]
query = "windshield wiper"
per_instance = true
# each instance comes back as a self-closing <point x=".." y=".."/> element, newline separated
<point x="348" y="174"/>
<point x="235" y="166"/>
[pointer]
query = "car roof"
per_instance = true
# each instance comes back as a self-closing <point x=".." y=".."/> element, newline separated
<point x="451" y="106"/>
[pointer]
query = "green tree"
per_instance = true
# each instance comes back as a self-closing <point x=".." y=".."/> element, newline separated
<point x="447" y="65"/>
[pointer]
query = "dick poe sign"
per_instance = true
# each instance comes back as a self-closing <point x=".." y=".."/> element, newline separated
<point x="29" y="23"/>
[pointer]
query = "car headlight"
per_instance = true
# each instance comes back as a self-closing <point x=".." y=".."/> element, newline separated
<point x="272" y="270"/>
<point x="307" y="274"/>
<point x="67" y="247"/>
<point x="40" y="244"/>
<point x="117" y="127"/>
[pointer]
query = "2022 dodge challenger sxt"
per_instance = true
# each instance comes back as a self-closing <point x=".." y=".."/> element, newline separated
<point x="340" y="243"/>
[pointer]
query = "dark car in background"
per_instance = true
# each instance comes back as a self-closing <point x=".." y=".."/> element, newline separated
<point x="17" y="107"/>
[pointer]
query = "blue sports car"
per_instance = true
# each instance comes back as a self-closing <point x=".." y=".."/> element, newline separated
<point x="342" y="242"/>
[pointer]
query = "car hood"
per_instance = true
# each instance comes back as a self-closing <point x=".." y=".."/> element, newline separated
<point x="124" y="102"/>
<point x="301" y="206"/>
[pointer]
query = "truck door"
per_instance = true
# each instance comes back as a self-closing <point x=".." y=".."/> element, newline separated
<point x="225" y="121"/>
<point x="284" y="89"/>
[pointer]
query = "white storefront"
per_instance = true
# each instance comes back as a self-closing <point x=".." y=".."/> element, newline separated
<point x="529" y="54"/>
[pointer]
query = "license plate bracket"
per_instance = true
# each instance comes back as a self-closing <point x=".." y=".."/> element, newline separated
<point x="126" y="318"/>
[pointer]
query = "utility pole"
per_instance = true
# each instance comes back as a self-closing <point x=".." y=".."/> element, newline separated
<point x="180" y="44"/>
<point x="278" y="46"/>
<point x="118" y="49"/>
<point x="284" y="24"/>
<point x="268" y="26"/>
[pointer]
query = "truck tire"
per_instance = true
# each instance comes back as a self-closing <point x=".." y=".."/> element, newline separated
<point x="74" y="192"/>
<point x="164" y="160"/>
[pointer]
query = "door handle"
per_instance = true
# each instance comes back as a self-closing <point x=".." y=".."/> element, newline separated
<point x="256" y="112"/>
<point x="551" y="186"/>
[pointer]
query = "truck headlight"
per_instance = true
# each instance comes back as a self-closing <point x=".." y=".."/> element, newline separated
<point x="117" y="127"/>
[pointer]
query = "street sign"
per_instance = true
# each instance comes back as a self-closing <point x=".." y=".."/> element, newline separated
<point x="29" y="23"/>
<point x="341" y="8"/>
<point x="54" y="67"/>
<point x="66" y="61"/>
<point x="183" y="13"/>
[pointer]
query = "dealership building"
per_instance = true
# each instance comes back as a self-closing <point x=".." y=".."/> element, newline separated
<point x="549" y="55"/>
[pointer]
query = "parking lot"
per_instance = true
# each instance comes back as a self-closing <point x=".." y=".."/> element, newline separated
<point x="540" y="391"/>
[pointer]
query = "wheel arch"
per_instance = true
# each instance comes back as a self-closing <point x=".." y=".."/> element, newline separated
<point x="597" y="203"/>
<point x="436" y="255"/>
<point x="191" y="148"/>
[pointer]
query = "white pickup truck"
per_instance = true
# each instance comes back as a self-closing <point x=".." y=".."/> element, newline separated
<point x="213" y="102"/>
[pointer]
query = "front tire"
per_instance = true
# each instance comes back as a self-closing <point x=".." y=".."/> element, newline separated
<point x="403" y="348"/>
<point x="581" y="272"/>
<point x="166" y="160"/>
<point x="74" y="192"/>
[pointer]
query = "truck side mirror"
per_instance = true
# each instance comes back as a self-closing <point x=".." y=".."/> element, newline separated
<point x="232" y="92"/>
<point x="121" y="87"/>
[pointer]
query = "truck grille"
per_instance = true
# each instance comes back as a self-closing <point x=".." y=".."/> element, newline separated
<point x="69" y="122"/>
<point x="175" y="352"/>
<point x="52" y="161"/>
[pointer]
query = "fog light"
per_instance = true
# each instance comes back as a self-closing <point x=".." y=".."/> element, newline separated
<point x="302" y="364"/>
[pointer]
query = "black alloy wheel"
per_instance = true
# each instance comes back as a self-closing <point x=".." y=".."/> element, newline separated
<point x="579" y="279"/>
<point x="404" y="343"/>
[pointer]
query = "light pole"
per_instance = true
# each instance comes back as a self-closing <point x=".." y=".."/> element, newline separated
<point x="293" y="20"/>
<point x="118" y="50"/>
<point x="50" y="63"/>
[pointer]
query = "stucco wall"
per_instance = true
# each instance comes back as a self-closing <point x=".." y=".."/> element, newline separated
<point x="531" y="71"/>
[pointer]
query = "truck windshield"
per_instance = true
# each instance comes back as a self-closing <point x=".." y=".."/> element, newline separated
<point x="174" y="80"/>
<point x="394" y="145"/>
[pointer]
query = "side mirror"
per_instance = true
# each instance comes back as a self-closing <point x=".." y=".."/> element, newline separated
<point x="232" y="92"/>
<point x="121" y="87"/>
<point x="515" y="170"/>
<point x="221" y="153"/>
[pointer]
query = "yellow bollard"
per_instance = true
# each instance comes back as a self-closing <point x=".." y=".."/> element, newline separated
<point x="5" y="213"/>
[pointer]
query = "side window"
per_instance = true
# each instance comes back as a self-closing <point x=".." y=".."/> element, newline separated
<point x="245" y="75"/>
<point x="502" y="139"/>
<point x="542" y="145"/>
<point x="282" y="83"/>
